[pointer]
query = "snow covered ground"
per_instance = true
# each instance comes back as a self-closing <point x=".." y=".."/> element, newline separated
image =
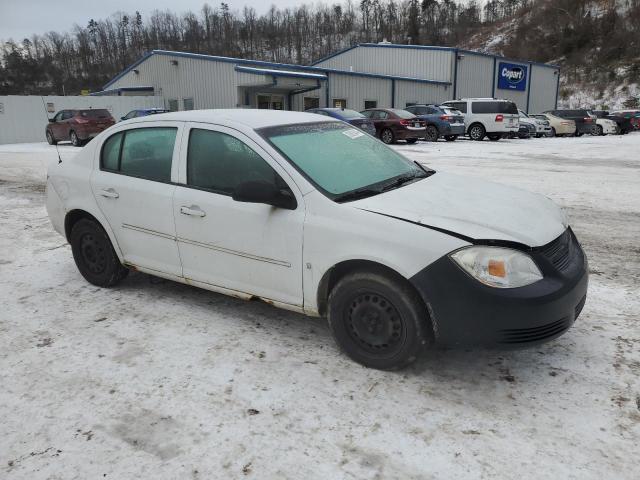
<point x="154" y="379"/>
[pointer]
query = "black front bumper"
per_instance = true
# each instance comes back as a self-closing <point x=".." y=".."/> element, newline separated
<point x="467" y="312"/>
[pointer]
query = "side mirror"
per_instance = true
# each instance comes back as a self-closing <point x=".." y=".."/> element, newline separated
<point x="264" y="192"/>
<point x="122" y="118"/>
<point x="52" y="120"/>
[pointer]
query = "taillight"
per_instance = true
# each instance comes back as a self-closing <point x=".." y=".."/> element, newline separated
<point x="499" y="118"/>
<point x="446" y="118"/>
<point x="404" y="122"/>
<point x="587" y="119"/>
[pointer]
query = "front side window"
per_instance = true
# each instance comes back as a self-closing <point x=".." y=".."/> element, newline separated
<point x="219" y="162"/>
<point x="338" y="158"/>
<point x="142" y="152"/>
<point x="460" y="106"/>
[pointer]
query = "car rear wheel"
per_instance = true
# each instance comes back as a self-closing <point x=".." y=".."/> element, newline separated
<point x="477" y="132"/>
<point x="94" y="255"/>
<point x="494" y="137"/>
<point x="50" y="139"/>
<point x="451" y="138"/>
<point x="378" y="320"/>
<point x="553" y="132"/>
<point x="75" y="141"/>
<point x="599" y="131"/>
<point x="387" y="136"/>
<point x="431" y="134"/>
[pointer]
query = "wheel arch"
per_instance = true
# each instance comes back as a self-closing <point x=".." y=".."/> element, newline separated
<point x="74" y="215"/>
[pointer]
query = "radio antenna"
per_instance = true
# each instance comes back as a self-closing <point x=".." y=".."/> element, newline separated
<point x="46" y="116"/>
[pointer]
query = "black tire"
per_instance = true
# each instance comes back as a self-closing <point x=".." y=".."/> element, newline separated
<point x="553" y="132"/>
<point x="94" y="255"/>
<point x="598" y="131"/>
<point x="578" y="134"/>
<point x="431" y="134"/>
<point x="451" y="138"/>
<point x="494" y="137"/>
<point x="378" y="320"/>
<point x="477" y="132"/>
<point x="411" y="141"/>
<point x="50" y="139"/>
<point x="75" y="140"/>
<point x="387" y="136"/>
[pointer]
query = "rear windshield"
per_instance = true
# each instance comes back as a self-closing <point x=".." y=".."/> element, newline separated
<point x="451" y="111"/>
<point x="98" y="113"/>
<point x="494" y="107"/>
<point x="402" y="113"/>
<point x="349" y="114"/>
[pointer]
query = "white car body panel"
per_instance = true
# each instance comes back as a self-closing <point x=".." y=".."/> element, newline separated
<point x="254" y="250"/>
<point x="510" y="122"/>
<point x="608" y="126"/>
<point x="480" y="211"/>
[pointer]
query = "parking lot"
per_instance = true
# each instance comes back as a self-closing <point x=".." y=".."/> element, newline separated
<point x="157" y="379"/>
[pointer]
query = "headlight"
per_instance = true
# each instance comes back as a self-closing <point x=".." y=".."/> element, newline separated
<point x="498" y="267"/>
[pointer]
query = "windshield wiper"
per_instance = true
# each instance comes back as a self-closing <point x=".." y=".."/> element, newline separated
<point x="357" y="194"/>
<point x="401" y="180"/>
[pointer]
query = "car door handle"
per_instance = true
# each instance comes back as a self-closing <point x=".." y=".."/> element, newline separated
<point x="193" y="210"/>
<point x="109" y="193"/>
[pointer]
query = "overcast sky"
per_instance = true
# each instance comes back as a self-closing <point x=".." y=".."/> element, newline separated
<point x="23" y="18"/>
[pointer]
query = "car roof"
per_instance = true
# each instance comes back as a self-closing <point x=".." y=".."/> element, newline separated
<point x="251" y="118"/>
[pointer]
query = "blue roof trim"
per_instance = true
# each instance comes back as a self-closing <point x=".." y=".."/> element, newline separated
<point x="128" y="69"/>
<point x="122" y="89"/>
<point x="413" y="47"/>
<point x="258" y="71"/>
<point x="242" y="61"/>
<point x="335" y="54"/>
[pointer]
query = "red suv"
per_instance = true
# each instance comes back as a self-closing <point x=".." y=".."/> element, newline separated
<point x="393" y="124"/>
<point x="78" y="126"/>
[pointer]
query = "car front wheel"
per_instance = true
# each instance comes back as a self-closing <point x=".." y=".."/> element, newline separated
<point x="75" y="141"/>
<point x="477" y="132"/>
<point x="431" y="134"/>
<point x="50" y="139"/>
<point x="94" y="255"/>
<point x="387" y="136"/>
<point x="378" y="320"/>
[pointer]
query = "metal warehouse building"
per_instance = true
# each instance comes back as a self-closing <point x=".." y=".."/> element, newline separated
<point x="364" y="76"/>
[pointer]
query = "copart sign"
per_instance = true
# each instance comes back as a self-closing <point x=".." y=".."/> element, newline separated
<point x="512" y="76"/>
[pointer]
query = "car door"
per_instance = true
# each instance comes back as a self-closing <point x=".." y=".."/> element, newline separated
<point x="58" y="126"/>
<point x="132" y="184"/>
<point x="251" y="248"/>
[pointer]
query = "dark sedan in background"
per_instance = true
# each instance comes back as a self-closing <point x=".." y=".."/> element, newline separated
<point x="143" y="112"/>
<point x="393" y="124"/>
<point x="585" y="123"/>
<point x="350" y="116"/>
<point x="440" y="121"/>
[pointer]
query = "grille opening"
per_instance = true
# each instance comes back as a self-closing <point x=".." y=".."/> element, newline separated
<point x="535" y="334"/>
<point x="560" y="251"/>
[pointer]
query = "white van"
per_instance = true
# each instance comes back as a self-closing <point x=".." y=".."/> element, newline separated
<point x="488" y="117"/>
<point x="311" y="214"/>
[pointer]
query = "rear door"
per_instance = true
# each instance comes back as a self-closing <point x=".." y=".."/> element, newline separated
<point x="251" y="248"/>
<point x="134" y="190"/>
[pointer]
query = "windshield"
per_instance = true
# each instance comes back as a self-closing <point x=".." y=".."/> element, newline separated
<point x="350" y="114"/>
<point x="340" y="160"/>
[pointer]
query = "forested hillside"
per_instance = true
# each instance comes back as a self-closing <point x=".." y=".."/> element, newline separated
<point x="597" y="43"/>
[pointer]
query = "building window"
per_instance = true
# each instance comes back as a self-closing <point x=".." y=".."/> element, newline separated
<point x="187" y="103"/>
<point x="173" y="105"/>
<point x="311" y="102"/>
<point x="370" y="104"/>
<point x="339" y="103"/>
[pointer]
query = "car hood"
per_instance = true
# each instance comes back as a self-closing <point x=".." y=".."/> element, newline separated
<point x="472" y="208"/>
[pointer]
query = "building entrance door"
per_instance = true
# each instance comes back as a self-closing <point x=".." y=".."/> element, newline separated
<point x="267" y="101"/>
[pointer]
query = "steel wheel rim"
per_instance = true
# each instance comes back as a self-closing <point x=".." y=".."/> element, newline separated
<point x="374" y="324"/>
<point x="93" y="253"/>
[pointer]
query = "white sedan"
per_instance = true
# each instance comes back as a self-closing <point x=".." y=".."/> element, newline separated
<point x="310" y="214"/>
<point x="605" y="126"/>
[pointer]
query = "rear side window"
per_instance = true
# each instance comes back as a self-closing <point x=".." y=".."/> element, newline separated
<point x="460" y="106"/>
<point x="494" y="107"/>
<point x="142" y="152"/>
<point x="219" y="162"/>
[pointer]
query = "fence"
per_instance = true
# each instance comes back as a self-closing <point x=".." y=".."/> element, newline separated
<point x="23" y="118"/>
